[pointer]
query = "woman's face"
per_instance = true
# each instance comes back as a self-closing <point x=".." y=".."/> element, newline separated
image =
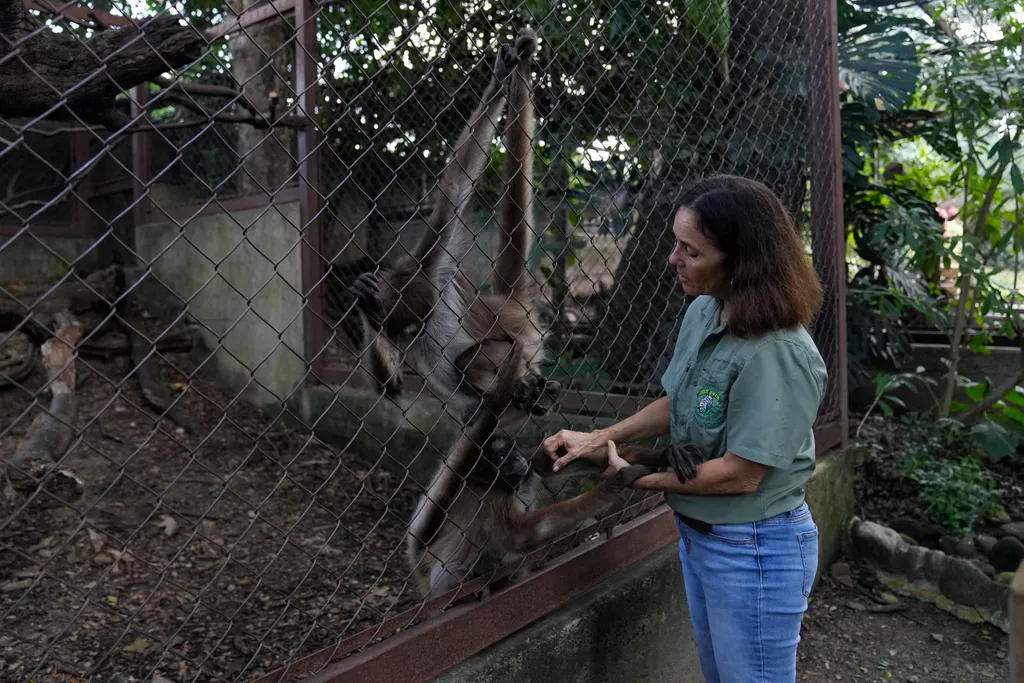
<point x="699" y="264"/>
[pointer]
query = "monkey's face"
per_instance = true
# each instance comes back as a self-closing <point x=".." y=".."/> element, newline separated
<point x="511" y="464"/>
<point x="699" y="264"/>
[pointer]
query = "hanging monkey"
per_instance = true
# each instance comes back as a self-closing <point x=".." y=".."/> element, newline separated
<point x="423" y="310"/>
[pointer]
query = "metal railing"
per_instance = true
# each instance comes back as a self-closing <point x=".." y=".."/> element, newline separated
<point x="201" y="482"/>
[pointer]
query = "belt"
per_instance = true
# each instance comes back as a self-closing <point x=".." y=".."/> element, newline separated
<point x="695" y="524"/>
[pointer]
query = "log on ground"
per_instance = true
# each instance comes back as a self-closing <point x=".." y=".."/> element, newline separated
<point x="35" y="463"/>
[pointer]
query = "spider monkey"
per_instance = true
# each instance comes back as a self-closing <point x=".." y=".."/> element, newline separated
<point x="423" y="310"/>
<point x="486" y="505"/>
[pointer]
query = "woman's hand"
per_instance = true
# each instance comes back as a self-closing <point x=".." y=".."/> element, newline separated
<point x="587" y="445"/>
<point x="615" y="463"/>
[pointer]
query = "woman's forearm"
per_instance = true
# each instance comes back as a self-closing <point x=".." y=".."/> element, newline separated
<point x="721" y="476"/>
<point x="650" y="422"/>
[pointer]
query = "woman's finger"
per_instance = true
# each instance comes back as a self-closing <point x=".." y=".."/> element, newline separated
<point x="552" y="443"/>
<point x="563" y="461"/>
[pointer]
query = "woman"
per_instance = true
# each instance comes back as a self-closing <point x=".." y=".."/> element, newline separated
<point x="744" y="386"/>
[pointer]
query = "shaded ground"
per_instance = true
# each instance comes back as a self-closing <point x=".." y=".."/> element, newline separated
<point x="215" y="557"/>
<point x="922" y="644"/>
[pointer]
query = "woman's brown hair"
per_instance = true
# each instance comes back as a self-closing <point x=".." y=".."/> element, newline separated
<point x="772" y="282"/>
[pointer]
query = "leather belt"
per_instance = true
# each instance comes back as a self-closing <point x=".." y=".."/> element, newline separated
<point x="695" y="524"/>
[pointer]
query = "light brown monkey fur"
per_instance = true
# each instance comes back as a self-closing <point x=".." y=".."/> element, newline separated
<point x="488" y="504"/>
<point x="424" y="312"/>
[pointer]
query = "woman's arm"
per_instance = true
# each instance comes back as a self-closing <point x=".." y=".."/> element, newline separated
<point x="727" y="475"/>
<point x="649" y="422"/>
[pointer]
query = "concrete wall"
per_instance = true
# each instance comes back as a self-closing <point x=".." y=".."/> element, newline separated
<point x="635" y="626"/>
<point x="29" y="259"/>
<point x="997" y="363"/>
<point x="241" y="276"/>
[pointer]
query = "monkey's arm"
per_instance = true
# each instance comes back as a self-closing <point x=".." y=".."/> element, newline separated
<point x="472" y="150"/>
<point x="536" y="527"/>
<point x="683" y="458"/>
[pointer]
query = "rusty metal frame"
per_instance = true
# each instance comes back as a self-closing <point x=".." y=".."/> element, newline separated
<point x="1017" y="626"/>
<point x="213" y="206"/>
<point x="827" y="226"/>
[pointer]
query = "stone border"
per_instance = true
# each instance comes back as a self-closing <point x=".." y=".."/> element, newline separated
<point x="953" y="584"/>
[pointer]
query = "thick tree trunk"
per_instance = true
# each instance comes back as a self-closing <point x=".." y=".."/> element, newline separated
<point x="40" y="68"/>
<point x="260" y="57"/>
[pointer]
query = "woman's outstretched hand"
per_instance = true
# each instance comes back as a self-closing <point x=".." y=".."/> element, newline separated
<point x="566" y="446"/>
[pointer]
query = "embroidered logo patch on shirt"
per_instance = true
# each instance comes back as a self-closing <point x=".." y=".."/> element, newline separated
<point x="709" y="413"/>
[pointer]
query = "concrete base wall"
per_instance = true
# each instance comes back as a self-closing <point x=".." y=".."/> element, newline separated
<point x="635" y="626"/>
<point x="240" y="275"/>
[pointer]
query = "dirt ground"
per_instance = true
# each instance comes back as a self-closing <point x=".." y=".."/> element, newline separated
<point x="194" y="557"/>
<point x="921" y="644"/>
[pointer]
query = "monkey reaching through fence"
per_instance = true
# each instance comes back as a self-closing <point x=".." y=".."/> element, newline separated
<point x="488" y="505"/>
<point x="423" y="309"/>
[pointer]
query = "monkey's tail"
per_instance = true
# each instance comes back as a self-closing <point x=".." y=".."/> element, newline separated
<point x="510" y="276"/>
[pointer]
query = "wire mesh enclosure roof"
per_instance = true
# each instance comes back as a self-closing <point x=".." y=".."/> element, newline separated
<point x="203" y="479"/>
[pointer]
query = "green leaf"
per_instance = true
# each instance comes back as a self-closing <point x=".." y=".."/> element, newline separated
<point x="977" y="391"/>
<point x="997" y="442"/>
<point x="1017" y="179"/>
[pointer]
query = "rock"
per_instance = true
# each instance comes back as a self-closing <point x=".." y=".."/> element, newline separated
<point x="930" y="535"/>
<point x="966" y="549"/>
<point x="984" y="543"/>
<point x="908" y="526"/>
<point x="1015" y="529"/>
<point x="1007" y="554"/>
<point x="985" y="567"/>
<point x="947" y="544"/>
<point x="937" y="637"/>
<point x="964" y="583"/>
<point x="877" y="542"/>
<point x="1005" y="578"/>
<point x="910" y="540"/>
<point x="841" y="573"/>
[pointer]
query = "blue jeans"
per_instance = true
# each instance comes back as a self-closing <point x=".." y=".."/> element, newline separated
<point x="747" y="587"/>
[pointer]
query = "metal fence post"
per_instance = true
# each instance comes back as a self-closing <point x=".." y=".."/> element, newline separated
<point x="827" y="226"/>
<point x="309" y="140"/>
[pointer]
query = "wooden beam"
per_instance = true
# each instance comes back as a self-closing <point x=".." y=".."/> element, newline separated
<point x="256" y="15"/>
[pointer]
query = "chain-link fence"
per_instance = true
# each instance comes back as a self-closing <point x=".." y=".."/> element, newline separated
<point x="203" y="481"/>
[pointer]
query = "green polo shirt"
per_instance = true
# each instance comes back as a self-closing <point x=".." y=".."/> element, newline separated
<point x="757" y="398"/>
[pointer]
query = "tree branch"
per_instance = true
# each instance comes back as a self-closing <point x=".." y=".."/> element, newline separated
<point x="62" y="77"/>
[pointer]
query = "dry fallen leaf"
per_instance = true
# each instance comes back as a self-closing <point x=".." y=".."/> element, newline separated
<point x="138" y="645"/>
<point x="168" y="524"/>
<point x="96" y="539"/>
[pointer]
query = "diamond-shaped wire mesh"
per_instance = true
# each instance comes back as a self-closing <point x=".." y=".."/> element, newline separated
<point x="201" y="481"/>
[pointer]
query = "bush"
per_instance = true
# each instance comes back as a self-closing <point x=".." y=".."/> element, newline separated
<point x="953" y="492"/>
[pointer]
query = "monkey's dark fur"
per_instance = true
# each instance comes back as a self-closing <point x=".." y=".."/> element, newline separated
<point x="487" y="504"/>
<point x="423" y="311"/>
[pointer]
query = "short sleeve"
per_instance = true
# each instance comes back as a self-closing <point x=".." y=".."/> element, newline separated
<point x="773" y="403"/>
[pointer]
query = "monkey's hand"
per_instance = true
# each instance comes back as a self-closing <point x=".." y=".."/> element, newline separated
<point x="367" y="292"/>
<point x="505" y="62"/>
<point x="624" y="477"/>
<point x="536" y="395"/>
<point x="684" y="458"/>
<point x="526" y="43"/>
